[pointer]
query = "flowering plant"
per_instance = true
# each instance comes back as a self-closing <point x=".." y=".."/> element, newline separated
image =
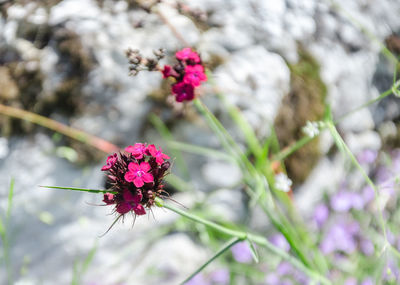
<point x="136" y="178"/>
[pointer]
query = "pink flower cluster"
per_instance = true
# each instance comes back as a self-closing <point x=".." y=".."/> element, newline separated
<point x="188" y="73"/>
<point x="136" y="178"/>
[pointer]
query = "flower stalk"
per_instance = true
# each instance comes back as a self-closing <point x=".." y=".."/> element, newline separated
<point x="260" y="240"/>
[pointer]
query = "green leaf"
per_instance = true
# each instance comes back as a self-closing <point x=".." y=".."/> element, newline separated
<point x="199" y="150"/>
<point x="167" y="136"/>
<point x="79" y="189"/>
<point x="10" y="198"/>
<point x="89" y="258"/>
<point x="253" y="250"/>
<point x="241" y="122"/>
<point x="223" y="249"/>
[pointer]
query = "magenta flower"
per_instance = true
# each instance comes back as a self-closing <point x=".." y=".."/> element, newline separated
<point x="187" y="54"/>
<point x="136" y="179"/>
<point x="110" y="162"/>
<point x="188" y="73"/>
<point x="109" y="198"/>
<point x="157" y="154"/>
<point x="138" y="150"/>
<point x="194" y="74"/>
<point x="131" y="203"/>
<point x="183" y="91"/>
<point x="166" y="71"/>
<point x="138" y="174"/>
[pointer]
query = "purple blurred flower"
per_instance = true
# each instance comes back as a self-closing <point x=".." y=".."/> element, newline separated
<point x="344" y="201"/>
<point x="341" y="202"/>
<point x="383" y="174"/>
<point x="321" y="214"/>
<point x="220" y="276"/>
<point x="392" y="271"/>
<point x="284" y="268"/>
<point x="280" y="241"/>
<point x="367" y="156"/>
<point x="340" y="237"/>
<point x="241" y="252"/>
<point x="368" y="281"/>
<point x="368" y="194"/>
<point x="198" y="280"/>
<point x="272" y="279"/>
<point x="367" y="247"/>
<point x="350" y="281"/>
<point x="396" y="160"/>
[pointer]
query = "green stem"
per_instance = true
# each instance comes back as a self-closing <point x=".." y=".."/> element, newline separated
<point x="370" y="102"/>
<point x="224" y="248"/>
<point x="291" y="149"/>
<point x="306" y="139"/>
<point x="385" y="51"/>
<point x="260" y="240"/>
<point x="342" y="145"/>
<point x="167" y="136"/>
<point x="80" y="189"/>
<point x="81" y="136"/>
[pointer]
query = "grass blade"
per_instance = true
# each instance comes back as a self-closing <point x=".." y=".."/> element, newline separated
<point x="10" y="199"/>
<point x="199" y="150"/>
<point x="167" y="136"/>
<point x="253" y="250"/>
<point x="89" y="258"/>
<point x="224" y="248"/>
<point x="79" y="189"/>
<point x="241" y="122"/>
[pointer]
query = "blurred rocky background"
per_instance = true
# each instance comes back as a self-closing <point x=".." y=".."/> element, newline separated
<point x="278" y="61"/>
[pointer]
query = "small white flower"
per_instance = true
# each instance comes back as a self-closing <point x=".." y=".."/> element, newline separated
<point x="311" y="129"/>
<point x="282" y="182"/>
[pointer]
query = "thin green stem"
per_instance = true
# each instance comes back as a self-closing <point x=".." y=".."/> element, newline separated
<point x="232" y="147"/>
<point x="306" y="139"/>
<point x="79" y="135"/>
<point x="199" y="150"/>
<point x="167" y="136"/>
<point x="342" y="146"/>
<point x="385" y="51"/>
<point x="260" y="240"/>
<point x="224" y="248"/>
<point x="292" y="148"/>
<point x="370" y="102"/>
<point x="4" y="233"/>
<point x="80" y="189"/>
<point x="241" y="122"/>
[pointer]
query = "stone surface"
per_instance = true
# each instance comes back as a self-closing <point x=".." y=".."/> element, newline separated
<point x="50" y="230"/>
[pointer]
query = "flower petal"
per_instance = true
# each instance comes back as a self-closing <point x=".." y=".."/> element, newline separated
<point x="152" y="149"/>
<point x="138" y="181"/>
<point x="108" y="198"/>
<point x="123" y="207"/>
<point x="144" y="166"/>
<point x="147" y="177"/>
<point x="133" y="167"/>
<point x="130" y="176"/>
<point x="139" y="210"/>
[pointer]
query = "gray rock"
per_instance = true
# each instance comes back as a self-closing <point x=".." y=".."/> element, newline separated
<point x="222" y="174"/>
